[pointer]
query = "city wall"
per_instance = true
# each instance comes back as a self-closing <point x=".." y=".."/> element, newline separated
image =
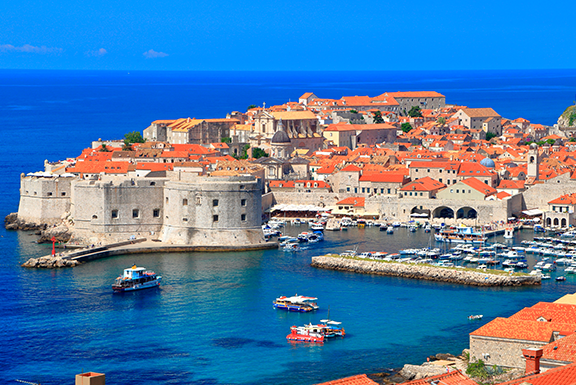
<point x="44" y="200"/>
<point x="500" y="351"/>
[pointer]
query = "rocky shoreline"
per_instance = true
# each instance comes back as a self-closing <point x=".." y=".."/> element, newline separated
<point x="422" y="271"/>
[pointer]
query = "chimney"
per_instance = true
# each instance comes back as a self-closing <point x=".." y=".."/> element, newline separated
<point x="532" y="357"/>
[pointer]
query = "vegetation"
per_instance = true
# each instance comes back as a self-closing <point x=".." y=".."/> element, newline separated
<point x="251" y="106"/>
<point x="570" y="115"/>
<point x="133" y="137"/>
<point x="415" y="112"/>
<point x="226" y="140"/>
<point x="490" y="135"/>
<point x="353" y="111"/>
<point x="406" y="127"/>
<point x="441" y="120"/>
<point x="551" y="141"/>
<point x="480" y="370"/>
<point x="244" y="153"/>
<point x="257" y="152"/>
<point x="572" y="140"/>
<point x="104" y="148"/>
<point x="378" y="117"/>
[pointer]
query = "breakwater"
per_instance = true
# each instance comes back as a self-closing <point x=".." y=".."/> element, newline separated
<point x="423" y="271"/>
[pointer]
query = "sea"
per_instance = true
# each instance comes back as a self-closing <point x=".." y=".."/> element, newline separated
<point x="212" y="320"/>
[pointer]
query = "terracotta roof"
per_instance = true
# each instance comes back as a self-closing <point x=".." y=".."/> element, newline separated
<point x="293" y="115"/>
<point x="423" y="184"/>
<point x="564" y="375"/>
<point x="351" y="168"/>
<point x="479" y="186"/>
<point x="360" y="379"/>
<point x="511" y="184"/>
<point x="516" y="330"/>
<point x="356" y="201"/>
<point x="454" y="377"/>
<point x="383" y="177"/>
<point x="480" y="112"/>
<point x="359" y="127"/>
<point x="416" y="94"/>
<point x="553" y="312"/>
<point x="503" y="194"/>
<point x="568" y="199"/>
<point x="563" y="349"/>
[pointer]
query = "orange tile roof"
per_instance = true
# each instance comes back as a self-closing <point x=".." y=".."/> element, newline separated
<point x="516" y="329"/>
<point x="356" y="201"/>
<point x="153" y="166"/>
<point x="416" y="94"/>
<point x="564" y="375"/>
<point x="454" y="377"/>
<point x="383" y="177"/>
<point x="342" y="126"/>
<point x="293" y="115"/>
<point x="568" y="199"/>
<point x="360" y="379"/>
<point x="502" y="194"/>
<point x="480" y="186"/>
<point x="563" y="349"/>
<point x="423" y="184"/>
<point x="553" y="312"/>
<point x="480" y="112"/>
<point x="351" y="168"/>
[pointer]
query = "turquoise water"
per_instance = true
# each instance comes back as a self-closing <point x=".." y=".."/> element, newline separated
<point x="212" y="321"/>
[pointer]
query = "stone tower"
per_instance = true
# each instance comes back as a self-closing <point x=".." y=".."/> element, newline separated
<point x="533" y="162"/>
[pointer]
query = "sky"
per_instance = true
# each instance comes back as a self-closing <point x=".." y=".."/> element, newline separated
<point x="296" y="35"/>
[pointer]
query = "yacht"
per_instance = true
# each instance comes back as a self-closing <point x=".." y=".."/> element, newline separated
<point x="136" y="278"/>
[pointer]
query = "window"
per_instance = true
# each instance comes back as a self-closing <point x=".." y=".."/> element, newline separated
<point x="355" y="190"/>
<point x="135" y="213"/>
<point x="184" y="219"/>
<point x="389" y="191"/>
<point x="184" y="202"/>
<point x="166" y="199"/>
<point x="243" y="217"/>
<point x="348" y="189"/>
<point x="94" y="216"/>
<point x="49" y="194"/>
<point x="381" y="191"/>
<point x="152" y="183"/>
<point x="215" y="202"/>
<point x="453" y="181"/>
<point x="421" y="194"/>
<point x="114" y="214"/>
<point x="457" y="191"/>
<point x="63" y="194"/>
<point x="215" y="218"/>
<point x="485" y="181"/>
<point x="428" y="170"/>
<point x="440" y="180"/>
<point x="451" y="190"/>
<point x="363" y="189"/>
<point x="156" y="213"/>
<point x="469" y="191"/>
<point x="243" y="202"/>
<point x="368" y="189"/>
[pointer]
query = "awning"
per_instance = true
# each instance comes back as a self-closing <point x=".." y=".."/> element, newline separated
<point x="533" y="212"/>
<point x="419" y="215"/>
<point x="285" y="207"/>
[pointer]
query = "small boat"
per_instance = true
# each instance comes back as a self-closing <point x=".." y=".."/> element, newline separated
<point x="545" y="276"/>
<point x="509" y="233"/>
<point x="296" y="303"/>
<point x="427" y="228"/>
<point x="561" y="278"/>
<point x="136" y="278"/>
<point x="307" y="333"/>
<point x="412" y="228"/>
<point x="475" y="317"/>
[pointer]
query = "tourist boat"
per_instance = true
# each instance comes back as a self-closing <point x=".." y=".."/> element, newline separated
<point x="460" y="235"/>
<point x="136" y="278"/>
<point x="331" y="328"/>
<point x="296" y="303"/>
<point x="509" y="233"/>
<point x="475" y="317"/>
<point x="306" y="333"/>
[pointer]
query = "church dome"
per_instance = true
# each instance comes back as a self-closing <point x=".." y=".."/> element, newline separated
<point x="488" y="163"/>
<point x="280" y="137"/>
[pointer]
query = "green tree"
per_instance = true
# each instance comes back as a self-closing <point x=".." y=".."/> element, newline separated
<point x="251" y="106"/>
<point x="226" y="140"/>
<point x="441" y="120"/>
<point x="490" y="135"/>
<point x="572" y="140"/>
<point x="104" y="148"/>
<point x="354" y="111"/>
<point x="244" y="153"/>
<point x="133" y="137"/>
<point x="415" y="112"/>
<point x="257" y="152"/>
<point x="378" y="117"/>
<point x="551" y="141"/>
<point x="541" y="143"/>
<point x="406" y="127"/>
<point x="477" y="369"/>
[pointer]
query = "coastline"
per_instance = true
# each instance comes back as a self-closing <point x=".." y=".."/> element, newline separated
<point x="422" y="271"/>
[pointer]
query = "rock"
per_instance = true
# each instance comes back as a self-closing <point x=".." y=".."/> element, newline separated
<point x="416" y="372"/>
<point x="568" y="117"/>
<point x="445" y="356"/>
<point x="61" y="233"/>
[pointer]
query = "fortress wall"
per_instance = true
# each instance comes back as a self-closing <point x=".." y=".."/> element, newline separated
<point x="210" y="211"/>
<point x="538" y="196"/>
<point x="44" y="200"/>
<point x="95" y="201"/>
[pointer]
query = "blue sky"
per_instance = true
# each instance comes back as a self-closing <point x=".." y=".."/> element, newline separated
<point x="287" y="35"/>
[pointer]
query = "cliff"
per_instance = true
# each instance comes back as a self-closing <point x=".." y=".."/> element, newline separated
<point x="568" y="117"/>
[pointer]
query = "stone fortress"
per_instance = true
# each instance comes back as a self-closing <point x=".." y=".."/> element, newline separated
<point x="179" y="208"/>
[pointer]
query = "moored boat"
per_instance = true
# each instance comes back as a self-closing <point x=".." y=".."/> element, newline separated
<point x="136" y="278"/>
<point x="296" y="303"/>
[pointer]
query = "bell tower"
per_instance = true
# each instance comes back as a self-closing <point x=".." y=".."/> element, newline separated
<point x="533" y="162"/>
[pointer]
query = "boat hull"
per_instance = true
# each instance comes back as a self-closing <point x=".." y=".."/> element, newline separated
<point x="304" y="338"/>
<point x="142" y="286"/>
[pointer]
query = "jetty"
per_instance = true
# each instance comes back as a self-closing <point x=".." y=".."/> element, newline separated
<point x="134" y="246"/>
<point x="472" y="277"/>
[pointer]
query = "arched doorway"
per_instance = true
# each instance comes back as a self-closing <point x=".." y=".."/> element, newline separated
<point x="548" y="222"/>
<point x="556" y="222"/>
<point x="466" y="213"/>
<point x="443" y="212"/>
<point x="563" y="222"/>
